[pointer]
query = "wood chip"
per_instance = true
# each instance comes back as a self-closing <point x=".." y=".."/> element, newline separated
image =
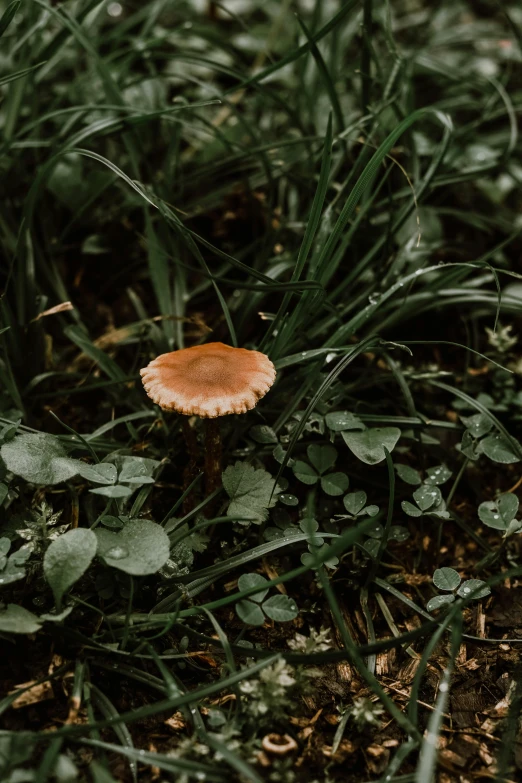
<point x="35" y="694"/>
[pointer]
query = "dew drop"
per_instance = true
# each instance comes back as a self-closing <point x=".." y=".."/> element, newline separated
<point x="496" y="516"/>
<point x="115" y="9"/>
<point x="288" y="500"/>
<point x="117" y="552"/>
<point x="465" y="589"/>
<point x="374" y="298"/>
<point x="443" y="687"/>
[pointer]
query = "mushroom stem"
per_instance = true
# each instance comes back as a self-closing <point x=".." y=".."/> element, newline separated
<point x="212" y="455"/>
<point x="191" y="468"/>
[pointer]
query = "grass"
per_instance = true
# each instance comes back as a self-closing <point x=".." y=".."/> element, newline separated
<point x="336" y="185"/>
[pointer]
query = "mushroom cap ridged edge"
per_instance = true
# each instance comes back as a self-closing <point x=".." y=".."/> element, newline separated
<point x="200" y="403"/>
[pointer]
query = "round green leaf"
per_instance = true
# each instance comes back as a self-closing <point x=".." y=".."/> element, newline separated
<point x="446" y="579"/>
<point x="438" y="475"/>
<point x="478" y="424"/>
<point x="261" y="433"/>
<point x="67" y="559"/>
<point x="280" y="608"/>
<point x="489" y="513"/>
<point x="354" y="502"/>
<point x="407" y="474"/>
<point x="476" y="588"/>
<point x="113" y="491"/>
<point x="16" y="619"/>
<point x="427" y="496"/>
<point x="368" y="446"/>
<point x="410" y="509"/>
<point x="335" y="483"/>
<point x="499" y="449"/>
<point x="250" y="612"/>
<point x="246" y="581"/>
<point x="141" y="548"/>
<point x="508" y="504"/>
<point x="439" y="601"/>
<point x="398" y="533"/>
<point x="39" y="459"/>
<point x="321" y="457"/>
<point x="305" y="472"/>
<point x="103" y="473"/>
<point x="342" y="420"/>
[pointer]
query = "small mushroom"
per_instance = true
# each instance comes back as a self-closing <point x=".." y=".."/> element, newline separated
<point x="209" y="381"/>
<point x="278" y="744"/>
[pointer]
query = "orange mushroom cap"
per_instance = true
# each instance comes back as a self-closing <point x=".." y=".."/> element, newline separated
<point x="209" y="380"/>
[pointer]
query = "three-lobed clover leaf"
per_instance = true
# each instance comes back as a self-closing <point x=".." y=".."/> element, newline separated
<point x="370" y="444"/>
<point x="254" y="609"/>
<point x="449" y="580"/>
<point x="323" y="459"/>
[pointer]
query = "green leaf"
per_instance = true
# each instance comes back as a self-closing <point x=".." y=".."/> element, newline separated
<point x="305" y="472"/>
<point x="335" y="483"/>
<point x="103" y="473"/>
<point x="11" y="569"/>
<point x="137" y="470"/>
<point x="368" y="446"/>
<point x="497" y="448"/>
<point x="39" y="459"/>
<point x="250" y="492"/>
<point x="67" y="559"/>
<point x="410" y="509"/>
<point x="438" y="475"/>
<point x="372" y="546"/>
<point x="398" y="533"/>
<point x="470" y="447"/>
<point x="280" y="608"/>
<point x="508" y="504"/>
<point x="339" y="421"/>
<point x="478" y="425"/>
<point x="354" y="502"/>
<point x="407" y="474"/>
<point x="4" y="489"/>
<point x="263" y="434"/>
<point x="439" y="601"/>
<point x="141" y="548"/>
<point x="470" y="585"/>
<point x="246" y="581"/>
<point x="446" y="579"/>
<point x="322" y="457"/>
<point x="427" y="496"/>
<point x="499" y="514"/>
<point x="114" y="491"/>
<point x="16" y="619"/>
<point x="310" y="526"/>
<point x="250" y="613"/>
<point x="279" y="454"/>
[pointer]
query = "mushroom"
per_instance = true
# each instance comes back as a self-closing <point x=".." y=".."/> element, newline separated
<point x="209" y="381"/>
